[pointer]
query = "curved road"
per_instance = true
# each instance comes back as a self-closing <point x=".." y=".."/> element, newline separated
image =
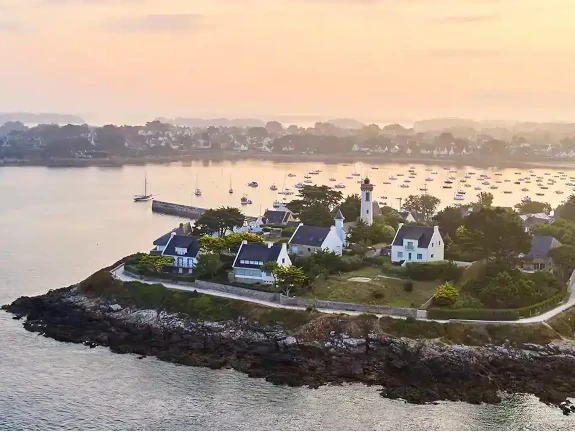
<point x="119" y="274"/>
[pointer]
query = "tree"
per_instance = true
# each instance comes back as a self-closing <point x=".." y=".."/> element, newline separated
<point x="258" y="132"/>
<point x="351" y="207"/>
<point x="234" y="240"/>
<point x="563" y="261"/>
<point x="494" y="233"/>
<point x="375" y="233"/>
<point x="274" y="127"/>
<point x="446" y="295"/>
<point x="449" y="219"/>
<point x="567" y="209"/>
<point x="484" y="199"/>
<point x="153" y="263"/>
<point x="528" y="206"/>
<point x="309" y="196"/>
<point x="288" y="278"/>
<point x="562" y="229"/>
<point x="421" y="206"/>
<point x="220" y="221"/>
<point x="212" y="244"/>
<point x="316" y="215"/>
<point x="208" y="265"/>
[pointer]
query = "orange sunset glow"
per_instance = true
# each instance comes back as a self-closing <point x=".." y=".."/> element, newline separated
<point x="386" y="60"/>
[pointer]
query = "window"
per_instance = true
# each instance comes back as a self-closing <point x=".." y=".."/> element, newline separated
<point x="419" y="256"/>
<point x="283" y="260"/>
<point x="367" y="212"/>
<point x="309" y="249"/>
<point x="431" y="255"/>
<point x="400" y="254"/>
<point x="180" y="262"/>
<point x="367" y="196"/>
<point x="539" y="266"/>
<point x="189" y="262"/>
<point x="439" y="243"/>
<point x="431" y="244"/>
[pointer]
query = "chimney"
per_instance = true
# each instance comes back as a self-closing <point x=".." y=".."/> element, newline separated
<point x="269" y="244"/>
<point x="173" y="233"/>
<point x="244" y="242"/>
<point x="436" y="228"/>
<point x="399" y="226"/>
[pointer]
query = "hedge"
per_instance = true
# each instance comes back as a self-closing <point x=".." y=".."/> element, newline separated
<point x="497" y="314"/>
<point x="442" y="270"/>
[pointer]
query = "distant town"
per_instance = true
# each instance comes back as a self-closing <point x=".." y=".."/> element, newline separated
<point x="181" y="139"/>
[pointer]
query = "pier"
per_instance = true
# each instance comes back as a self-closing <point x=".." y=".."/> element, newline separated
<point x="185" y="211"/>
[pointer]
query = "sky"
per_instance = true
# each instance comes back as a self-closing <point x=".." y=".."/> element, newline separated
<point x="374" y="60"/>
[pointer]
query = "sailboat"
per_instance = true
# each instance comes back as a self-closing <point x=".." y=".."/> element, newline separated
<point x="197" y="192"/>
<point x="231" y="189"/>
<point x="145" y="196"/>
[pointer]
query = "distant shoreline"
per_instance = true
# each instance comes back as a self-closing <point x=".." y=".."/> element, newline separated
<point x="295" y="158"/>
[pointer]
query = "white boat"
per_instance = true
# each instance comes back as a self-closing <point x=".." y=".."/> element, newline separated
<point x="277" y="204"/>
<point x="299" y="185"/>
<point x="524" y="190"/>
<point x="273" y="187"/>
<point x="245" y="200"/>
<point x="429" y="179"/>
<point x="197" y="191"/>
<point x="231" y="189"/>
<point x="253" y="184"/>
<point x="145" y="196"/>
<point x="459" y="198"/>
<point x="393" y="178"/>
<point x="291" y="175"/>
<point x="403" y="185"/>
<point x="339" y="186"/>
<point x="308" y="181"/>
<point x="477" y="188"/>
<point x="355" y="174"/>
<point x="332" y="179"/>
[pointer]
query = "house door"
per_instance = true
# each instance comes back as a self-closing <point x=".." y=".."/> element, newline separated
<point x="409" y="256"/>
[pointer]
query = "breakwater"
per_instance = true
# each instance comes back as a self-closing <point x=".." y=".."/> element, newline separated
<point x="185" y="211"/>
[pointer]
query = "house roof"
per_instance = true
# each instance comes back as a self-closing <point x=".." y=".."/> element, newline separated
<point x="276" y="216"/>
<point x="185" y="242"/>
<point x="309" y="235"/>
<point x="256" y="253"/>
<point x="542" y="216"/>
<point x="184" y="229"/>
<point x="423" y="235"/>
<point x="540" y="246"/>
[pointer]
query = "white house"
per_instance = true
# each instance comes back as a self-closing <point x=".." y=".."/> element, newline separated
<point x="184" y="250"/>
<point x="307" y="239"/>
<point x="417" y="244"/>
<point x="184" y="229"/>
<point x="251" y="257"/>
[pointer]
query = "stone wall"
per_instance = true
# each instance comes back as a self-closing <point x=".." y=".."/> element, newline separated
<point x="242" y="292"/>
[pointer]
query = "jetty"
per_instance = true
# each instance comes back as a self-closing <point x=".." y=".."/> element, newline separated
<point x="185" y="211"/>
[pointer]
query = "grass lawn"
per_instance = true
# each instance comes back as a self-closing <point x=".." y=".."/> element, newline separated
<point x="378" y="291"/>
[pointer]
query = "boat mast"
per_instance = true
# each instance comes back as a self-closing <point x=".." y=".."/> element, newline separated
<point x="145" y="183"/>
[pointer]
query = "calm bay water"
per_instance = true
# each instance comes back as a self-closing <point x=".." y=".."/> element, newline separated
<point x="59" y="225"/>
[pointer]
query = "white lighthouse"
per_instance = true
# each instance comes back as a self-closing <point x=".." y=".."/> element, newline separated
<point x="366" y="201"/>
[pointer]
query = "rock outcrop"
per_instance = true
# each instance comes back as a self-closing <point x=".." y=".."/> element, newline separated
<point x="417" y="371"/>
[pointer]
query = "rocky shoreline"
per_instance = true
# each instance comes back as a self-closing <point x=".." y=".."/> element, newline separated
<point x="419" y="371"/>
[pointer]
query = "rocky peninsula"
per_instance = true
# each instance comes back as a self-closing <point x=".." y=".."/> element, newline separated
<point x="420" y="362"/>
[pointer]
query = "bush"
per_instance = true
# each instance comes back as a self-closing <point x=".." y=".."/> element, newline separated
<point x="351" y="263"/>
<point x="375" y="261"/>
<point x="408" y="285"/>
<point x="288" y="231"/>
<point x="443" y="271"/>
<point x="474" y="314"/>
<point x="395" y="270"/>
<point x="446" y="295"/>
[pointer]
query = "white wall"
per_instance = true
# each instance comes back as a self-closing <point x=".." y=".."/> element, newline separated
<point x="434" y="252"/>
<point x="332" y="242"/>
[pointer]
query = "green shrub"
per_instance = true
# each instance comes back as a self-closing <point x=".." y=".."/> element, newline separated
<point x="446" y="295"/>
<point x="288" y="231"/>
<point x="375" y="261"/>
<point x="443" y="271"/>
<point x="351" y="263"/>
<point x="408" y="285"/>
<point x="395" y="270"/>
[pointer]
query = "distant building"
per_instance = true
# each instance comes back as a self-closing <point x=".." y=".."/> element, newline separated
<point x="307" y="240"/>
<point x="417" y="244"/>
<point x="251" y="257"/>
<point x="537" y="259"/>
<point x="184" y="250"/>
<point x="531" y="219"/>
<point x="278" y="217"/>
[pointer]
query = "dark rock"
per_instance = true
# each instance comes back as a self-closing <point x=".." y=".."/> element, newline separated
<point x="409" y="370"/>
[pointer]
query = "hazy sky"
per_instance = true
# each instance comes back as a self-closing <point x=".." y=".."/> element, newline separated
<point x="370" y="59"/>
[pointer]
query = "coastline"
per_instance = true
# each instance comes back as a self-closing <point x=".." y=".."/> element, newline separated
<point x="219" y="156"/>
<point x="325" y="350"/>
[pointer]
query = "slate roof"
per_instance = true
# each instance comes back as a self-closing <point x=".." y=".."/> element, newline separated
<point x="256" y="253"/>
<point x="276" y="216"/>
<point x="183" y="229"/>
<point x="421" y="234"/>
<point x="339" y="215"/>
<point x="541" y="216"/>
<point x="540" y="246"/>
<point x="309" y="236"/>
<point x="180" y="241"/>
